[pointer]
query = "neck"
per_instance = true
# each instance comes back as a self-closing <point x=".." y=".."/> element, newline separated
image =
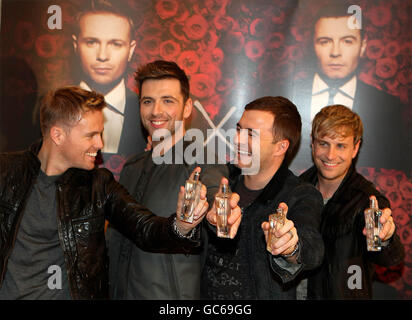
<point x="50" y="162"/>
<point x="328" y="187"/>
<point x="263" y="177"/>
<point x="104" y="89"/>
<point x="168" y="142"/>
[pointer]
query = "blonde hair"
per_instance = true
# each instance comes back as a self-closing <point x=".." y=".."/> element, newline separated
<point x="337" y="120"/>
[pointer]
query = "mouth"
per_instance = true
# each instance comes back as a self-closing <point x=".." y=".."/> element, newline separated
<point x="91" y="154"/>
<point x="157" y="123"/>
<point x="102" y="70"/>
<point x="329" y="164"/>
<point x="335" y="66"/>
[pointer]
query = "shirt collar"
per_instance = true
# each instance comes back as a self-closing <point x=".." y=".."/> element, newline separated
<point x="320" y="86"/>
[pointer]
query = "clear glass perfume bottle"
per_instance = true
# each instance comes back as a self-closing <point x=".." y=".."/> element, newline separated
<point x="276" y="222"/>
<point x="192" y="197"/>
<point x="223" y="210"/>
<point x="373" y="226"/>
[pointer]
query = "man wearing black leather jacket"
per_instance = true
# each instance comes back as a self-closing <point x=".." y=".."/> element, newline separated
<point x="53" y="206"/>
<point x="245" y="268"/>
<point x="348" y="268"/>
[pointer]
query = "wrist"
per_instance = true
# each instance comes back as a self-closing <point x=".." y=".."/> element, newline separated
<point x="294" y="252"/>
<point x="180" y="234"/>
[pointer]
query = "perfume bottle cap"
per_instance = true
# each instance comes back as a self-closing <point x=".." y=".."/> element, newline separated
<point x="196" y="177"/>
<point x="225" y="188"/>
<point x="373" y="203"/>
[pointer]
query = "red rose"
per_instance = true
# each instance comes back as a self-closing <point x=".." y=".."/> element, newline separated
<point x="405" y="76"/>
<point x="202" y="85"/>
<point x="405" y="188"/>
<point x="295" y="53"/>
<point x="392" y="85"/>
<point x="169" y="49"/>
<point x="216" y="6"/>
<point x="298" y="33"/>
<point x="46" y="46"/>
<point x="24" y="35"/>
<point x="394" y="198"/>
<point x="369" y="78"/>
<point x="151" y="45"/>
<point x="167" y="8"/>
<point x="258" y="28"/>
<point x="392" y="49"/>
<point x="150" y="29"/>
<point x="211" y="70"/>
<point x="196" y="27"/>
<point x="400" y="216"/>
<point x="379" y="15"/>
<point x="225" y="23"/>
<point x="213" y="105"/>
<point x="275" y="40"/>
<point x="131" y="83"/>
<point x="189" y="62"/>
<point x="407" y="276"/>
<point x="225" y="86"/>
<point x="217" y="56"/>
<point x="405" y="233"/>
<point x="115" y="163"/>
<point x="277" y="16"/>
<point x="375" y="49"/>
<point x="182" y="13"/>
<point x="406" y="49"/>
<point x="386" y="68"/>
<point x="176" y="31"/>
<point x="65" y="47"/>
<point x="234" y="41"/>
<point x="386" y="182"/>
<point x="210" y="40"/>
<point x="254" y="50"/>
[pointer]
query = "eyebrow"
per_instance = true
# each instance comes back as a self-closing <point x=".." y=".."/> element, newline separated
<point x="329" y="38"/>
<point x="248" y="129"/>
<point x="162" y="97"/>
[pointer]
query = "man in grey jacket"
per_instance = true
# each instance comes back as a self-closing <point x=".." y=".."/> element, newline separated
<point x="154" y="178"/>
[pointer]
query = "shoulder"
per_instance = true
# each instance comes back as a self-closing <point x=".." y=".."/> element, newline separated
<point x="136" y="160"/>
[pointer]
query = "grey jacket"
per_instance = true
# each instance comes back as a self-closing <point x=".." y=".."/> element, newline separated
<point x="136" y="274"/>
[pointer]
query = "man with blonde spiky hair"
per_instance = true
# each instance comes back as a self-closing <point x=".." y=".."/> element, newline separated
<point x="336" y="139"/>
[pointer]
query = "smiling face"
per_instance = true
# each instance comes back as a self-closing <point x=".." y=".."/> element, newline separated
<point x="337" y="47"/>
<point x="162" y="105"/>
<point x="255" y="125"/>
<point x="104" y="47"/>
<point x="333" y="156"/>
<point x="79" y="145"/>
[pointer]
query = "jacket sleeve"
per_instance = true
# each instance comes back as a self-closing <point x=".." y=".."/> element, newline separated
<point x="148" y="231"/>
<point x="305" y="206"/>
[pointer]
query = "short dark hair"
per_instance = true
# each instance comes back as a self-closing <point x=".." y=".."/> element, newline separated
<point x="106" y="6"/>
<point x="161" y="69"/>
<point x="66" y="105"/>
<point x="287" y="124"/>
<point x="335" y="10"/>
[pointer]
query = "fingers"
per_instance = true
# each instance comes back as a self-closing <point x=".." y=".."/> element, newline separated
<point x="388" y="226"/>
<point x="192" y="175"/>
<point x="234" y="220"/>
<point x="287" y="237"/>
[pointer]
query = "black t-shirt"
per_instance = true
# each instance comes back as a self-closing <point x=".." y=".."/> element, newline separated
<point x="226" y="274"/>
<point x="36" y="268"/>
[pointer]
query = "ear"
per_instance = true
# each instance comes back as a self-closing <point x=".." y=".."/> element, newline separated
<point x="74" y="42"/>
<point x="131" y="50"/>
<point x="187" y="111"/>
<point x="282" y="147"/>
<point x="58" y="135"/>
<point x="356" y="149"/>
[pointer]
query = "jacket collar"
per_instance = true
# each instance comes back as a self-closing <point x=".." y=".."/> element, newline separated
<point x="270" y="191"/>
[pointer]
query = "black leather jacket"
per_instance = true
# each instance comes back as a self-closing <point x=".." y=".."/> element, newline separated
<point x="85" y="199"/>
<point x="345" y="245"/>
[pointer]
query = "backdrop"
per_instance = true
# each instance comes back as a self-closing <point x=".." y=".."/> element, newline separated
<point x="233" y="51"/>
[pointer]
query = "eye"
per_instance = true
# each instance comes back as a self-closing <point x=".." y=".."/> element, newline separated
<point x="90" y="42"/>
<point x="117" y="44"/>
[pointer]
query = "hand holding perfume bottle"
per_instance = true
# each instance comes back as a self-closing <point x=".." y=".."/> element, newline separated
<point x="192" y="196"/>
<point x="373" y="226"/>
<point x="223" y="210"/>
<point x="276" y="222"/>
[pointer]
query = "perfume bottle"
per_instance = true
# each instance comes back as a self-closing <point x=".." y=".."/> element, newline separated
<point x="373" y="226"/>
<point x="276" y="222"/>
<point x="223" y="210"/>
<point x="192" y="197"/>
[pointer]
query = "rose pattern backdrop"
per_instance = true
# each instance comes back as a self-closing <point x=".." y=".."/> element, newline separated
<point x="229" y="49"/>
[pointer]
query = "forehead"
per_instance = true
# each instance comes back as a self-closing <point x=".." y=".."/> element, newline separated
<point x="162" y="87"/>
<point x="257" y="119"/>
<point x="90" y="121"/>
<point x="332" y="27"/>
<point x="340" y="136"/>
<point x="104" y="25"/>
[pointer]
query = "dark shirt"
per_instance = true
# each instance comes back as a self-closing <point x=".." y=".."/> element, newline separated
<point x="36" y="249"/>
<point x="228" y="273"/>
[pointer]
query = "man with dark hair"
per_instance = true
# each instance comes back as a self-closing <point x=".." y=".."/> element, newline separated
<point x="336" y="138"/>
<point x="104" y="45"/>
<point x="339" y="44"/>
<point x="53" y="206"/>
<point x="243" y="268"/>
<point x="153" y="178"/>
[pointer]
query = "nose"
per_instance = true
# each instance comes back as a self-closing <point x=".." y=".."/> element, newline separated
<point x="102" y="53"/>
<point x="335" y="49"/>
<point x="331" y="153"/>
<point x="157" y="108"/>
<point x="99" y="144"/>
